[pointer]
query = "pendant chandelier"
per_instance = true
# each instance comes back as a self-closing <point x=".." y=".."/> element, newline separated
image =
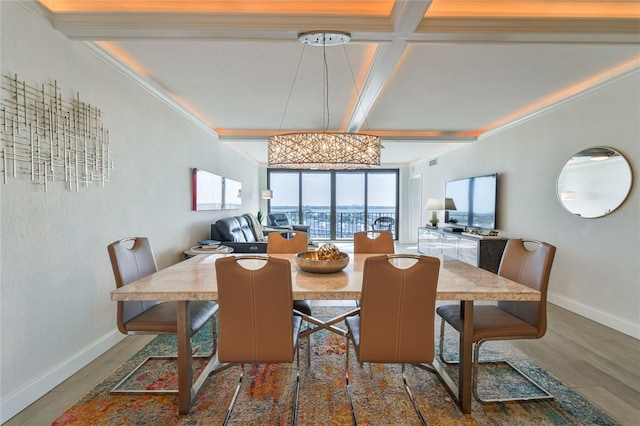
<point x="323" y="149"/>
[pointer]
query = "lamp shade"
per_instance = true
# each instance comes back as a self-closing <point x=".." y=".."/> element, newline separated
<point x="449" y="204"/>
<point x="434" y="204"/>
<point x="267" y="194"/>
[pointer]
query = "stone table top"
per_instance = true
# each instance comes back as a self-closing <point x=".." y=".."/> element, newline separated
<point x="195" y="279"/>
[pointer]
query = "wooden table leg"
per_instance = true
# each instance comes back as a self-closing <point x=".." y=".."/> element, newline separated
<point x="185" y="370"/>
<point x="466" y="356"/>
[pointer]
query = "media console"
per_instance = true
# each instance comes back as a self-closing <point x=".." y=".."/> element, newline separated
<point x="484" y="253"/>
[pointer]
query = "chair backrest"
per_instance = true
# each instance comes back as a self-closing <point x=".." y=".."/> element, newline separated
<point x="383" y="223"/>
<point x="398" y="309"/>
<point x="277" y="243"/>
<point x="277" y="219"/>
<point x="373" y="242"/>
<point x="255" y="310"/>
<point x="531" y="268"/>
<point x="131" y="259"/>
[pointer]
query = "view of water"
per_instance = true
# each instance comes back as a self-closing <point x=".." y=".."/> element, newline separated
<point x="349" y="219"/>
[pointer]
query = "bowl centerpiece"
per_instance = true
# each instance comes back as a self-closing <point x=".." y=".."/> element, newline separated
<point x="325" y="260"/>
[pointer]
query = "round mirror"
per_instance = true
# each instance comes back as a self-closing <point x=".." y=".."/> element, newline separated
<point x="594" y="182"/>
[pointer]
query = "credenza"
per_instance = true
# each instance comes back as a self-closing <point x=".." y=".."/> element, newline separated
<point x="484" y="253"/>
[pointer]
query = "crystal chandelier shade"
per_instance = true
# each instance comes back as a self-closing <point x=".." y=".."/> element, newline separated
<point x="324" y="150"/>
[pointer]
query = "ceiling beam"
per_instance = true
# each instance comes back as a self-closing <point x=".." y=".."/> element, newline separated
<point x="406" y="16"/>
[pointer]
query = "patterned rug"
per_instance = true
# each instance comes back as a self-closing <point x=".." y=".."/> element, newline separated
<point x="267" y="392"/>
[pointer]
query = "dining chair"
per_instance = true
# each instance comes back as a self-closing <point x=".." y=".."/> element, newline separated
<point x="396" y="319"/>
<point x="257" y="324"/>
<point x="373" y="242"/>
<point x="295" y="243"/>
<point x="385" y="223"/>
<point x="281" y="220"/>
<point x="131" y="259"/>
<point x="524" y="261"/>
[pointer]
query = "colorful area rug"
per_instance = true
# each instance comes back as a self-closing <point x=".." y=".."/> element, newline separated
<point x="379" y="397"/>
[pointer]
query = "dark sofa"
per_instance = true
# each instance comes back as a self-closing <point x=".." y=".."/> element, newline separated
<point x="238" y="233"/>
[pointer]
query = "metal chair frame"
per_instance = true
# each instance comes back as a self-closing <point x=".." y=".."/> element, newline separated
<point x="476" y="361"/>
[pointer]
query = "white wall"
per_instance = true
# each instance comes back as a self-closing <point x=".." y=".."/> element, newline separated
<point x="56" y="314"/>
<point x="596" y="272"/>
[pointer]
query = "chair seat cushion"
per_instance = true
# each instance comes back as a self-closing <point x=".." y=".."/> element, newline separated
<point x="489" y="321"/>
<point x="163" y="317"/>
<point x="303" y="306"/>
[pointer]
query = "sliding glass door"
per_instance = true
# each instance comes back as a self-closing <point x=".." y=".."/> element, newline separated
<point x="350" y="203"/>
<point x="336" y="204"/>
<point x="316" y="203"/>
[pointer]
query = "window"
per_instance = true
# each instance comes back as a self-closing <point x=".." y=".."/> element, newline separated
<point x="336" y="204"/>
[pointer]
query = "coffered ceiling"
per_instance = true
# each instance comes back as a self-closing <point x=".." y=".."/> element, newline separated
<point x="424" y="75"/>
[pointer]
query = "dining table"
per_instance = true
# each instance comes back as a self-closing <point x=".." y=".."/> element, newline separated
<point x="195" y="279"/>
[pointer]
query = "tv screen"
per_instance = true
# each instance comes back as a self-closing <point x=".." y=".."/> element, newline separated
<point x="475" y="201"/>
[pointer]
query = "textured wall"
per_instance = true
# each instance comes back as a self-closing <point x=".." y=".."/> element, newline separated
<point x="56" y="314"/>
<point x="596" y="270"/>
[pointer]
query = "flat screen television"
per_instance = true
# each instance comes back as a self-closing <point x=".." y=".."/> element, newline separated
<point x="475" y="200"/>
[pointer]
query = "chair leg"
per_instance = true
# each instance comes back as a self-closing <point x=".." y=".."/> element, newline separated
<point x="346" y="378"/>
<point x="413" y="401"/>
<point x="118" y="390"/>
<point x="308" y="347"/>
<point x="235" y="396"/>
<point x="294" y="420"/>
<point x="441" y="346"/>
<point x="214" y="334"/>
<point x="309" y="350"/>
<point x="476" y="355"/>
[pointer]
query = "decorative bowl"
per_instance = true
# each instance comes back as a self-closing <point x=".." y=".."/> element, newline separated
<point x="309" y="261"/>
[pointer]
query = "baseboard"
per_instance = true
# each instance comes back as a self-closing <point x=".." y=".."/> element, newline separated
<point x="619" y="324"/>
<point x="26" y="395"/>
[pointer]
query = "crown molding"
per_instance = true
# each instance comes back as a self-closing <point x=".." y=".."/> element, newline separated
<point x="150" y="87"/>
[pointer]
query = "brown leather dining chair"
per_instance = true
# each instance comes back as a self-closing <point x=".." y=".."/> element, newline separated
<point x="131" y="259"/>
<point x="373" y="242"/>
<point x="257" y="324"/>
<point x="509" y="320"/>
<point x="296" y="242"/>
<point x="397" y="313"/>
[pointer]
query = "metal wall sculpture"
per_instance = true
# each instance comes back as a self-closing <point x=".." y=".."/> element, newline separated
<point x="49" y="138"/>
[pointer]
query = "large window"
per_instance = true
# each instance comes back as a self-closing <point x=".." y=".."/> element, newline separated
<point x="336" y="204"/>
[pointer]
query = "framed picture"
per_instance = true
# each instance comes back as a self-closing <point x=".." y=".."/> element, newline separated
<point x="232" y="194"/>
<point x="207" y="190"/>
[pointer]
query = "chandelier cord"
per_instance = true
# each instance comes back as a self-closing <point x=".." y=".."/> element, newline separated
<point x="326" y="87"/>
<point x="293" y="83"/>
<point x="323" y="149"/>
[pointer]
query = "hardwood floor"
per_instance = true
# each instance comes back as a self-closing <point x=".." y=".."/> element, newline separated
<point x="601" y="364"/>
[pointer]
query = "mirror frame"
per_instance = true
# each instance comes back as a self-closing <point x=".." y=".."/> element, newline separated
<point x="584" y="186"/>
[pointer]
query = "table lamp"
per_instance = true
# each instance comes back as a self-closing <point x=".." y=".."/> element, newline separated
<point x="434" y="204"/>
